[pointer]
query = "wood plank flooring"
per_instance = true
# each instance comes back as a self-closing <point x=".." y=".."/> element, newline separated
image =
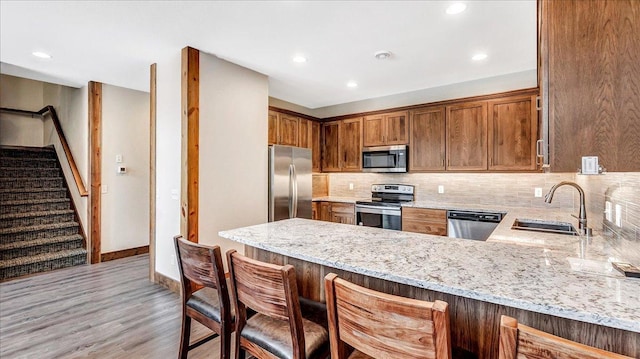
<point x="106" y="310"/>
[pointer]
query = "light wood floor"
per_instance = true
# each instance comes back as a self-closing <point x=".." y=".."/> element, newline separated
<point x="106" y="310"/>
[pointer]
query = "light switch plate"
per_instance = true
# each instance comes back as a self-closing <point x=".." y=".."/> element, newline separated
<point x="118" y="158"/>
<point x="104" y="188"/>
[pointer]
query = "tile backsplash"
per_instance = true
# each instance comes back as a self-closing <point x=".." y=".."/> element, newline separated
<point x="517" y="190"/>
<point x="622" y="190"/>
<point x="481" y="188"/>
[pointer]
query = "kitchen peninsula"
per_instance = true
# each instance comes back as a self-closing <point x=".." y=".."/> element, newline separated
<point x="557" y="288"/>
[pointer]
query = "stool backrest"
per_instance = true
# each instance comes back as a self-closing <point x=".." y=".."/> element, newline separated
<point x="268" y="289"/>
<point x="383" y="325"/>
<point x="201" y="266"/>
<point x="521" y="341"/>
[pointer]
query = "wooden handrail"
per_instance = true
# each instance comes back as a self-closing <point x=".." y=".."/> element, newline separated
<point x="65" y="146"/>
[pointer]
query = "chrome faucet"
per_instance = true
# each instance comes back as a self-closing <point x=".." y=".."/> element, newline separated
<point x="582" y="216"/>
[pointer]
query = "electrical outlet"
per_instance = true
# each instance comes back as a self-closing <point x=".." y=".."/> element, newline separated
<point x="104" y="188"/>
<point x="440" y="189"/>
<point x="118" y="158"/>
<point x="537" y="192"/>
<point x="618" y="215"/>
<point x="607" y="211"/>
<point x="351" y="186"/>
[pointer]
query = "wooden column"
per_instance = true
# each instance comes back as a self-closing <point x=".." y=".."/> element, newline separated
<point x="95" y="168"/>
<point x="190" y="139"/>
<point x="153" y="100"/>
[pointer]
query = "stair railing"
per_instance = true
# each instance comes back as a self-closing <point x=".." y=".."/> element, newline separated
<point x="82" y="189"/>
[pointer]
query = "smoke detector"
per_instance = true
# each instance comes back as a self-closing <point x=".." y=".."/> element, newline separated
<point x="382" y="55"/>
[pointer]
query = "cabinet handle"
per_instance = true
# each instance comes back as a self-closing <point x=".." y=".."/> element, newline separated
<point x="443" y="162"/>
<point x="539" y="145"/>
<point x="538" y="103"/>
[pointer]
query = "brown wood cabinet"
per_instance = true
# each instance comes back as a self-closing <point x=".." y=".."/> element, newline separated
<point x="590" y="81"/>
<point x="304" y="133"/>
<point x="334" y="212"/>
<point x="272" y="138"/>
<point x="342" y="149"/>
<point x="386" y="129"/>
<point x="316" y="139"/>
<point x="427" y="140"/>
<point x="513" y="131"/>
<point x="424" y="220"/>
<point x="467" y="136"/>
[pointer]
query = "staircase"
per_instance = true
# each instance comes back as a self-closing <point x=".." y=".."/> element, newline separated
<point x="38" y="228"/>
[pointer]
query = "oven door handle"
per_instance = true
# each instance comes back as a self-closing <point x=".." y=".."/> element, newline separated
<point x="377" y="210"/>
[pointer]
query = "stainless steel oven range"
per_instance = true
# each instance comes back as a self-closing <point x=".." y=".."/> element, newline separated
<point x="384" y="210"/>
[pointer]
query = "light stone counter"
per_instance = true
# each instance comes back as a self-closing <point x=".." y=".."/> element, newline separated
<point x="339" y="199"/>
<point x="560" y="275"/>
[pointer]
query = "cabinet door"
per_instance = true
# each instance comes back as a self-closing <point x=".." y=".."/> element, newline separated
<point x="288" y="128"/>
<point x="315" y="146"/>
<point x="343" y="213"/>
<point x="513" y="129"/>
<point x="304" y="133"/>
<point x="467" y="137"/>
<point x="272" y="137"/>
<point x="373" y="131"/>
<point x="315" y="210"/>
<point x="325" y="211"/>
<point x="350" y="147"/>
<point x="424" y="220"/>
<point x="330" y="148"/>
<point x="427" y="147"/>
<point x="397" y="128"/>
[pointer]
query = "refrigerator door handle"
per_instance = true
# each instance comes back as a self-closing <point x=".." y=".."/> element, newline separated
<point x="291" y="200"/>
<point x="295" y="192"/>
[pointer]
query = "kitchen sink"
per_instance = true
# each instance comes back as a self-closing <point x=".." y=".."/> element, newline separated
<point x="537" y="225"/>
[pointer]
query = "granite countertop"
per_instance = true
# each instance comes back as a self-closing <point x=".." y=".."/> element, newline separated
<point x="564" y="276"/>
<point x="339" y="199"/>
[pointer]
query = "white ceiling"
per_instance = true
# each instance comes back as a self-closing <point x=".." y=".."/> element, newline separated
<point x="115" y="42"/>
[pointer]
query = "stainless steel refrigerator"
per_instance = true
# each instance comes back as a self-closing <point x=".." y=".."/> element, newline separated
<point x="289" y="182"/>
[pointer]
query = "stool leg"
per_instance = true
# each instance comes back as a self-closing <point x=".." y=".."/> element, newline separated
<point x="185" y="333"/>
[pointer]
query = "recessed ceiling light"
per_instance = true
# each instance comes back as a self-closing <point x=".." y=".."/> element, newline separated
<point x="352" y="84"/>
<point x="40" y="54"/>
<point x="456" y="8"/>
<point x="479" y="57"/>
<point x="382" y="55"/>
<point x="299" y="59"/>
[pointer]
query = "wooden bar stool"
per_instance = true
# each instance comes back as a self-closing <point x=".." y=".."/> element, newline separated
<point x="521" y="341"/>
<point x="379" y="325"/>
<point x="278" y="330"/>
<point x="205" y="295"/>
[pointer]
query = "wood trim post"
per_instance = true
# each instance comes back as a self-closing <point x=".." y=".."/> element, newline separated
<point x="95" y="168"/>
<point x="190" y="143"/>
<point x="153" y="100"/>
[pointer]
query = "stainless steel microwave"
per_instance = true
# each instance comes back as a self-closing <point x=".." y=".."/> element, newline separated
<point x="385" y="159"/>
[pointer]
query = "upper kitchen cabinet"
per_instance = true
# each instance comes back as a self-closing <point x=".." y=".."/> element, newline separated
<point x="427" y="139"/>
<point x="283" y="129"/>
<point x="342" y="146"/>
<point x="386" y="129"/>
<point x="466" y="136"/>
<point x="316" y="131"/>
<point x="304" y="133"/>
<point x="590" y="81"/>
<point x="513" y="131"/>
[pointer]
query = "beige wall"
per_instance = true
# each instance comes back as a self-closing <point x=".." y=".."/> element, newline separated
<point x="125" y="197"/>
<point x="233" y="149"/>
<point x="20" y="94"/>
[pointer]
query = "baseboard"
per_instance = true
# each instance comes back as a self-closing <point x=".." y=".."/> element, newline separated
<point x="104" y="257"/>
<point x="169" y="283"/>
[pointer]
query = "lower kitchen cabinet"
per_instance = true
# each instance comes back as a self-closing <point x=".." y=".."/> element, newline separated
<point x="334" y="212"/>
<point x="424" y="220"/>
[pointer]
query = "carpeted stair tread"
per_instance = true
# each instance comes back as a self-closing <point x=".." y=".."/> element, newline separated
<point x="39" y="242"/>
<point x="39" y="189"/>
<point x="41" y="227"/>
<point x="14" y="162"/>
<point x="42" y="258"/>
<point x="30" y="172"/>
<point x="35" y="214"/>
<point x="35" y="201"/>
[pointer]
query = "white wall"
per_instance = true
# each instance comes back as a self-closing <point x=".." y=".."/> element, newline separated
<point x="233" y="149"/>
<point x="20" y="94"/>
<point x="125" y="197"/>
<point x="168" y="127"/>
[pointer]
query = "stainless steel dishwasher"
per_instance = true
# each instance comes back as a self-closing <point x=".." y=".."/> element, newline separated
<point x="472" y="225"/>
